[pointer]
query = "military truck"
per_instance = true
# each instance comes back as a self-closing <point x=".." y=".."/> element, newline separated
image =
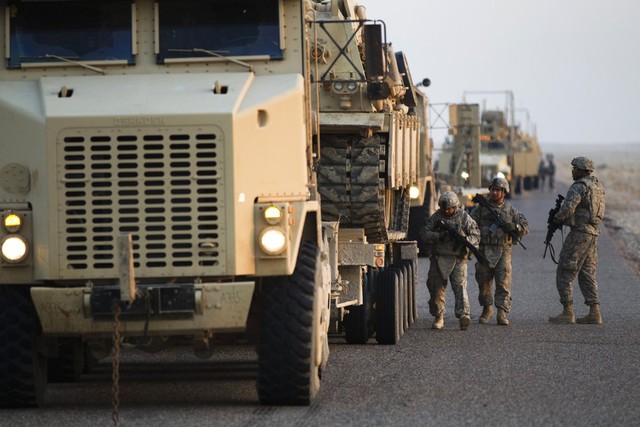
<point x="484" y="145"/>
<point x="459" y="160"/>
<point x="510" y="144"/>
<point x="180" y="171"/>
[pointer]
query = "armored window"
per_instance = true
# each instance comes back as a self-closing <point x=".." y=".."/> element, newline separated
<point x="62" y="31"/>
<point x="217" y="28"/>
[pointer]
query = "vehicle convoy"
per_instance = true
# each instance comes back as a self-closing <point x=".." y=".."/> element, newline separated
<point x="502" y="140"/>
<point x="178" y="171"/>
<point x="484" y="144"/>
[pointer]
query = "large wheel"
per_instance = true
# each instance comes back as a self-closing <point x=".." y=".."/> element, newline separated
<point x="407" y="297"/>
<point x="23" y="369"/>
<point x="357" y="323"/>
<point x="388" y="325"/>
<point x="291" y="337"/>
<point x="372" y="285"/>
<point x="414" y="286"/>
<point x="402" y="296"/>
<point x="412" y="280"/>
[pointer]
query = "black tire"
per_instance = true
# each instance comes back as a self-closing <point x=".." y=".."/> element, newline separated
<point x="287" y="370"/>
<point x="411" y="284"/>
<point x="402" y="296"/>
<point x="357" y="321"/>
<point x="407" y="297"/>
<point x="414" y="289"/>
<point x="372" y="285"/>
<point x="70" y="363"/>
<point x="388" y="308"/>
<point x="23" y="370"/>
<point x="410" y="295"/>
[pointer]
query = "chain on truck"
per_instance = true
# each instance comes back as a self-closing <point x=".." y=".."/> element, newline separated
<point x="203" y="169"/>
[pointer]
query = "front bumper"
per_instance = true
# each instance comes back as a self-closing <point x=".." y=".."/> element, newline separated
<point x="173" y="310"/>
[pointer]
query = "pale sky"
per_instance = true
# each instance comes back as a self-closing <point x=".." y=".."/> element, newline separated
<point x="573" y="64"/>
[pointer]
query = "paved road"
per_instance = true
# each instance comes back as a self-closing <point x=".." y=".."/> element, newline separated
<point x="529" y="373"/>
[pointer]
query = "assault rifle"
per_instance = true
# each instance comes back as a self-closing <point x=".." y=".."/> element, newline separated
<point x="551" y="229"/>
<point x="499" y="221"/>
<point x="462" y="240"/>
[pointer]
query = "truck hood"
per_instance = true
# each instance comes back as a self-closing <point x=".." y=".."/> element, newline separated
<point x="149" y="96"/>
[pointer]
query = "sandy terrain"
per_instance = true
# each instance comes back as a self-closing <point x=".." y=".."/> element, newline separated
<point x="618" y="167"/>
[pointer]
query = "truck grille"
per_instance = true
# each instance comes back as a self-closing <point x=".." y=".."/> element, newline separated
<point x="165" y="188"/>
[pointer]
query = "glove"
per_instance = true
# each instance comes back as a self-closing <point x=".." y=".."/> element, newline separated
<point x="508" y="227"/>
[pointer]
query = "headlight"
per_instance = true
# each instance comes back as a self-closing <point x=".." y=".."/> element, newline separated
<point x="345" y="87"/>
<point x="273" y="215"/>
<point x="14" y="249"/>
<point x="12" y="223"/>
<point x="414" y="192"/>
<point x="273" y="241"/>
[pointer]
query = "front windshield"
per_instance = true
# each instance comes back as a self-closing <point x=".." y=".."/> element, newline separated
<point x="495" y="145"/>
<point x="228" y="28"/>
<point x="78" y="31"/>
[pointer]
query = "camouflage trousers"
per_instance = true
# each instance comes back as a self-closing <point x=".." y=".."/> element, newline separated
<point x="437" y="285"/>
<point x="578" y="257"/>
<point x="501" y="274"/>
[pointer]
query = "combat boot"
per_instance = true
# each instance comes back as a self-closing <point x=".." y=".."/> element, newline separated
<point x="464" y="322"/>
<point x="566" y="316"/>
<point x="487" y="312"/>
<point x="438" y="323"/>
<point x="593" y="318"/>
<point x="502" y="317"/>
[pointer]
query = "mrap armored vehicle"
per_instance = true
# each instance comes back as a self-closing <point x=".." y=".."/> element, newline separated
<point x="514" y="153"/>
<point x="484" y="144"/>
<point x="178" y="171"/>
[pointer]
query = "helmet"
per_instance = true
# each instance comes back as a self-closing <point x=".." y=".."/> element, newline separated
<point x="583" y="163"/>
<point x="448" y="199"/>
<point x="500" y="183"/>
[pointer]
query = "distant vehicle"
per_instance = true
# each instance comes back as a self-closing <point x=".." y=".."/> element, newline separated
<point x="509" y="151"/>
<point x="484" y="145"/>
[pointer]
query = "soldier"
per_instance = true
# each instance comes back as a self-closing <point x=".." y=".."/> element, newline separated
<point x="499" y="224"/>
<point x="542" y="174"/>
<point x="582" y="210"/>
<point x="449" y="258"/>
<point x="551" y="172"/>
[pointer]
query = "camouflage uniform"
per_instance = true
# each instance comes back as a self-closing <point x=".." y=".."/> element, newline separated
<point x="582" y="210"/>
<point x="495" y="244"/>
<point x="449" y="260"/>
